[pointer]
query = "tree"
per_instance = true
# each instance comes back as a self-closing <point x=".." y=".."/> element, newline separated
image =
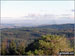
<point x="3" y="48"/>
<point x="49" y="45"/>
<point x="12" y="48"/>
<point x="21" y="48"/>
<point x="30" y="53"/>
<point x="38" y="52"/>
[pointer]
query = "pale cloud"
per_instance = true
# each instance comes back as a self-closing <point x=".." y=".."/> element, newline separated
<point x="34" y="19"/>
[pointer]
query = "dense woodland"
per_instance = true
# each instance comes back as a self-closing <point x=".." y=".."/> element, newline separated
<point x="40" y="40"/>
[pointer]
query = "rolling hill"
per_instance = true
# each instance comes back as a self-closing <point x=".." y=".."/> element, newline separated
<point x="31" y="33"/>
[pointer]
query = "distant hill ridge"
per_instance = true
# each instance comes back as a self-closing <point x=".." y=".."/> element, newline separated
<point x="54" y="26"/>
<point x="58" y="26"/>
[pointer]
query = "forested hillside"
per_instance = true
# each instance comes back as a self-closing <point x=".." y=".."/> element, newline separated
<point x="28" y="35"/>
<point x="31" y="33"/>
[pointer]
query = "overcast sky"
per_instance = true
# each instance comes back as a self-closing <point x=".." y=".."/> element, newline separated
<point x="18" y="10"/>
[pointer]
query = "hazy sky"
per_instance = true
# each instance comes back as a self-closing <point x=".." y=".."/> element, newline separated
<point x="22" y="8"/>
<point x="37" y="12"/>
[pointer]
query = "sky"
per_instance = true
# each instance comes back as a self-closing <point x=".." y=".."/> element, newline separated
<point x="17" y="10"/>
<point x="22" y="8"/>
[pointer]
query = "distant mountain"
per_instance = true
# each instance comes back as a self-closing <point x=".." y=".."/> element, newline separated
<point x="9" y="26"/>
<point x="58" y="26"/>
<point x="54" y="26"/>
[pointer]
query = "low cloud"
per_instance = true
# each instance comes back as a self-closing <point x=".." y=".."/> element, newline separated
<point x="40" y="19"/>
